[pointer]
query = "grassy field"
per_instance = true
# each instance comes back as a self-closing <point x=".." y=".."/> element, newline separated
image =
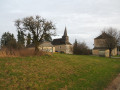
<point x="58" y="71"/>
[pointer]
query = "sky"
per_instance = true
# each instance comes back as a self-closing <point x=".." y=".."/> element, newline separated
<point x="84" y="19"/>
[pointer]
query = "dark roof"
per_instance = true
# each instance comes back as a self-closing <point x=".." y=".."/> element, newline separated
<point x="63" y="40"/>
<point x="60" y="41"/>
<point x="103" y="36"/>
<point x="65" y="32"/>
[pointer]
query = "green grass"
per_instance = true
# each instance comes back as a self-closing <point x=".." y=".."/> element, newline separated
<point x="59" y="71"/>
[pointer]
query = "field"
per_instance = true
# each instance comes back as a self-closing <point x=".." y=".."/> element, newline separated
<point x="58" y="71"/>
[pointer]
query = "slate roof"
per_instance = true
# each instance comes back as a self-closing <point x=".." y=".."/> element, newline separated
<point x="65" y="32"/>
<point x="103" y="36"/>
<point x="60" y="41"/>
<point x="63" y="40"/>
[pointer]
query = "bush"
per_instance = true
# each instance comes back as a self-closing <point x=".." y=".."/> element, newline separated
<point x="81" y="48"/>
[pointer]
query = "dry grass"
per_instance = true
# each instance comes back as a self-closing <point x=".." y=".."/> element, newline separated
<point x="22" y="52"/>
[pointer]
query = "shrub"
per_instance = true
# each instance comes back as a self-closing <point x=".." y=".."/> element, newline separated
<point x="81" y="48"/>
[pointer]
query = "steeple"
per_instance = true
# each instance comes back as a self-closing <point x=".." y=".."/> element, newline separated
<point x="65" y="32"/>
<point x="65" y="38"/>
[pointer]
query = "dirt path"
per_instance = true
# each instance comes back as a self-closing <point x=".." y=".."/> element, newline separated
<point x="115" y="84"/>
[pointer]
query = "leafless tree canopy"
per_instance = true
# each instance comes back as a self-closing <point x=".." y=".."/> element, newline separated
<point x="112" y="38"/>
<point x="81" y="48"/>
<point x="37" y="26"/>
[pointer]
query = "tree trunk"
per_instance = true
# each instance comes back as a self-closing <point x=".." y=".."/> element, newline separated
<point x="36" y="48"/>
<point x="110" y="51"/>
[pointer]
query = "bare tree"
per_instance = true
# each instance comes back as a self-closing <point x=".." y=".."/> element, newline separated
<point x="37" y="26"/>
<point x="112" y="38"/>
<point x="80" y="48"/>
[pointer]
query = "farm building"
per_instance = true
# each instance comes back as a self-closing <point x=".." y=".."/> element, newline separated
<point x="44" y="46"/>
<point x="100" y="48"/>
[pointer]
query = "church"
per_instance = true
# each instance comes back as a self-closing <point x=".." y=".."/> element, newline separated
<point x="63" y="44"/>
<point x="57" y="45"/>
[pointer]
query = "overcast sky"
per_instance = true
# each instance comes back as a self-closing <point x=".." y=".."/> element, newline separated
<point x="84" y="19"/>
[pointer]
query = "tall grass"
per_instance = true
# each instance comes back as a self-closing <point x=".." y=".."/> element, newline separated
<point x="21" y="52"/>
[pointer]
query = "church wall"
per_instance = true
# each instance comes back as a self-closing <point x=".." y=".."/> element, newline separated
<point x="64" y="48"/>
<point x="69" y="49"/>
<point x="60" y="48"/>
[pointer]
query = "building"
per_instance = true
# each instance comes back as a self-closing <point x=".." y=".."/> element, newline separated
<point x="57" y="45"/>
<point x="63" y="44"/>
<point x="44" y="46"/>
<point x="100" y="48"/>
<point x="47" y="46"/>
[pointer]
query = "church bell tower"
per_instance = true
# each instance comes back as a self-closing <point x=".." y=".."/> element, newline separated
<point x="65" y="37"/>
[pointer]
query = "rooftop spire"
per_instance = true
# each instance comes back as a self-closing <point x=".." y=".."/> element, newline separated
<point x="65" y="32"/>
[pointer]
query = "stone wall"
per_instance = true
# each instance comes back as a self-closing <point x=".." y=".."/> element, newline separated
<point x="64" y="48"/>
<point x="114" y="51"/>
<point x="95" y="52"/>
<point x="106" y="52"/>
<point x="47" y="49"/>
<point x="69" y="49"/>
<point x="99" y="43"/>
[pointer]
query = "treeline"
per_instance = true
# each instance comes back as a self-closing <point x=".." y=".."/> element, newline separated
<point x="80" y="48"/>
<point x="9" y="41"/>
